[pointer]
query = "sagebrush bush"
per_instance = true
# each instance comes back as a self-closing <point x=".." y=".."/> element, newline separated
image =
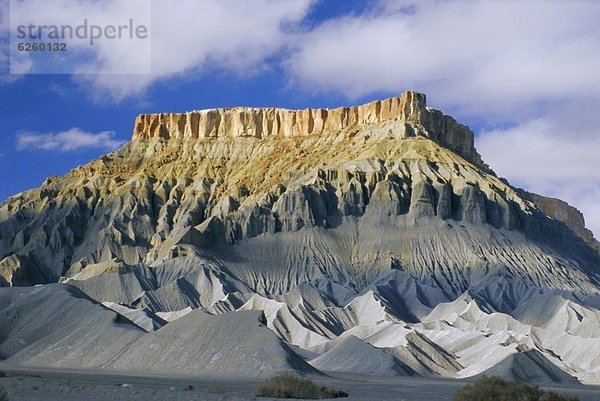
<point x="289" y="385"/>
<point x="496" y="389"/>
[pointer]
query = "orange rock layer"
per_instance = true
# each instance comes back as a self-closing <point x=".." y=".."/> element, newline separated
<point x="272" y="122"/>
<point x="266" y="122"/>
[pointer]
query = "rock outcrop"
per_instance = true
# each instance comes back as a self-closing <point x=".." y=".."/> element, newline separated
<point x="409" y="109"/>
<point x="562" y="211"/>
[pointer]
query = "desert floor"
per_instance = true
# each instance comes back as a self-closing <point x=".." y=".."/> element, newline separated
<point x="24" y="384"/>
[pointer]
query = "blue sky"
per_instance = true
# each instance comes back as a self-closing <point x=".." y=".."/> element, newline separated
<point x="523" y="75"/>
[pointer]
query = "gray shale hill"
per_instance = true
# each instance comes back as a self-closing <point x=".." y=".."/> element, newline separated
<point x="367" y="236"/>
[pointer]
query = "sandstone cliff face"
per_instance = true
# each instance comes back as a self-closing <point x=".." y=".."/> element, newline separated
<point x="410" y="108"/>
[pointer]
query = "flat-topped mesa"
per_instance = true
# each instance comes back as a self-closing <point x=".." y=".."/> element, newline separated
<point x="260" y="123"/>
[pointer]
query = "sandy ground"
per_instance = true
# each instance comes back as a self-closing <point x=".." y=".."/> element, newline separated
<point x="70" y="385"/>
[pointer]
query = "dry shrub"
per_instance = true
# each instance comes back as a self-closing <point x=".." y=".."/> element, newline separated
<point x="496" y="389"/>
<point x="288" y="385"/>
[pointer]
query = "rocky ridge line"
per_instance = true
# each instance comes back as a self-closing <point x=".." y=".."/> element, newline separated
<point x="562" y="211"/>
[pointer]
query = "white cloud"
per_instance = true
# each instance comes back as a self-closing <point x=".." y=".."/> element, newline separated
<point x="545" y="157"/>
<point x="70" y="140"/>
<point x="105" y="56"/>
<point x="187" y="37"/>
<point x="482" y="56"/>
<point x="491" y="57"/>
<point x="537" y="150"/>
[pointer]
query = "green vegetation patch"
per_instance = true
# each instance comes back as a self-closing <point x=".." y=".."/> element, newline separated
<point x="496" y="389"/>
<point x="289" y="385"/>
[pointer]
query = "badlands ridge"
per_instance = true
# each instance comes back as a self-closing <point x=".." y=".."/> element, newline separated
<point x="243" y="241"/>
